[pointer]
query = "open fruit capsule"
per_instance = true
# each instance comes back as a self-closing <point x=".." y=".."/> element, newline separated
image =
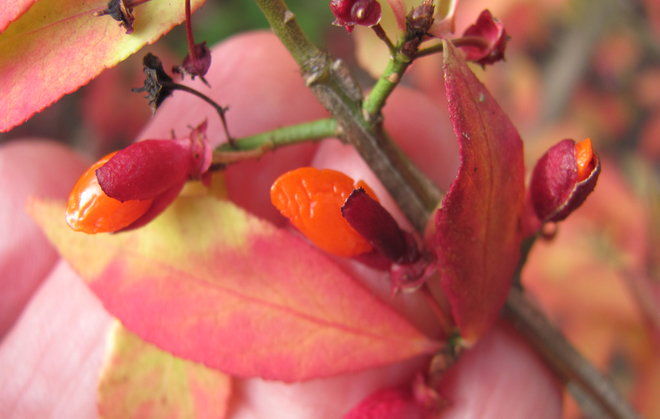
<point x="312" y="199"/>
<point x="91" y="211"/>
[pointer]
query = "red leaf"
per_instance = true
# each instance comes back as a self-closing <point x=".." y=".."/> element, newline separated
<point x="208" y="282"/>
<point x="139" y="380"/>
<point x="12" y="10"/>
<point x="59" y="45"/>
<point x="477" y="233"/>
<point x="389" y="403"/>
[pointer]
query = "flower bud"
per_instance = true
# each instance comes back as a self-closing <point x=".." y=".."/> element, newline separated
<point x="349" y="13"/>
<point x="494" y="39"/>
<point x="562" y="179"/>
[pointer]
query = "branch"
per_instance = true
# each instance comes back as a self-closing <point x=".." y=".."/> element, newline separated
<point x="257" y="145"/>
<point x="417" y="197"/>
<point x="590" y="385"/>
<point x="330" y="81"/>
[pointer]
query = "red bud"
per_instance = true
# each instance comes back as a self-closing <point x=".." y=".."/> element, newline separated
<point x="494" y="38"/>
<point x="562" y="179"/>
<point x="349" y="13"/>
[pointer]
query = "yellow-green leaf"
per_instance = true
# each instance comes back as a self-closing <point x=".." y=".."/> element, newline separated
<point x="59" y="45"/>
<point x="142" y="381"/>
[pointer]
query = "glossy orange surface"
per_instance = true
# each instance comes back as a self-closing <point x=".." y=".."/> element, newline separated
<point x="584" y="157"/>
<point x="91" y="211"/>
<point x="312" y="199"/>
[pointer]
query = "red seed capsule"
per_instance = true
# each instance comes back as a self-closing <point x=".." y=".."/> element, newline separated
<point x="91" y="211"/>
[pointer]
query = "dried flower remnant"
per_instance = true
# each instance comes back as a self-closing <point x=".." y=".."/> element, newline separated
<point x="121" y="11"/>
<point x="563" y="178"/>
<point x="198" y="60"/>
<point x="418" y="23"/>
<point x="196" y="63"/>
<point x="419" y="20"/>
<point x="493" y="39"/>
<point x="349" y="13"/>
<point x="157" y="84"/>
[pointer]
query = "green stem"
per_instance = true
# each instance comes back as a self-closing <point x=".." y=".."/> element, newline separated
<point x="374" y="102"/>
<point x="332" y="84"/>
<point x="270" y="140"/>
<point x="476" y="41"/>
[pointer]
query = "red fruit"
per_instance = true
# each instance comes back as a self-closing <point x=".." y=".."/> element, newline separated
<point x="91" y="211"/>
<point x="312" y="199"/>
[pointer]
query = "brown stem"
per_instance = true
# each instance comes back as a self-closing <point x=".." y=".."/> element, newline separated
<point x="189" y="32"/>
<point x="563" y="358"/>
<point x="332" y="84"/>
<point x="476" y="41"/>
<point x="416" y="196"/>
<point x="441" y="315"/>
<point x="221" y="110"/>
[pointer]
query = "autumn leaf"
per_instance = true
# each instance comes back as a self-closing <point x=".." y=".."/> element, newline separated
<point x="477" y="233"/>
<point x="141" y="381"/>
<point x="12" y="10"/>
<point x="208" y="282"/>
<point x="59" y="45"/>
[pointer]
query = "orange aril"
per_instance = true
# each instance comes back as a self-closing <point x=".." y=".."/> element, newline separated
<point x="312" y="199"/>
<point x="91" y="211"/>
<point x="584" y="157"/>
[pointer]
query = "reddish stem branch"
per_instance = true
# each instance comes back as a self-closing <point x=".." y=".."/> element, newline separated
<point x="189" y="32"/>
<point x="441" y="315"/>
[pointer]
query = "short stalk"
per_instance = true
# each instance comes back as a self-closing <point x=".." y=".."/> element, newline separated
<point x="475" y="41"/>
<point x="221" y="110"/>
<point x="189" y="32"/>
<point x="257" y="145"/>
<point x="380" y="33"/>
<point x="375" y="101"/>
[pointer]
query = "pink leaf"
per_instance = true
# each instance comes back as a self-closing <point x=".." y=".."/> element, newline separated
<point x="477" y="233"/>
<point x="139" y="380"/>
<point x="389" y="403"/>
<point x="12" y="10"/>
<point x="399" y="9"/>
<point x="208" y="282"/>
<point x="59" y="45"/>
